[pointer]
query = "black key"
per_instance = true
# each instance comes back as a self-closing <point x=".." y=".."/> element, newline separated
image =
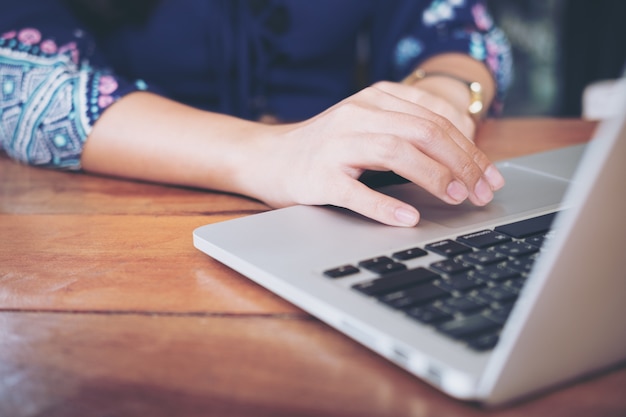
<point x="516" y="249"/>
<point x="528" y="227"/>
<point x="342" y="271"/>
<point x="394" y="282"/>
<point x="461" y="305"/>
<point x="483" y="239"/>
<point x="382" y="265"/>
<point x="410" y="254"/>
<point x="536" y="240"/>
<point x="484" y="342"/>
<point x="367" y="263"/>
<point x="451" y="266"/>
<point x="482" y="257"/>
<point x="498" y="295"/>
<point x="523" y="265"/>
<point x="468" y="326"/>
<point x="448" y="248"/>
<point x="500" y="315"/>
<point x="517" y="283"/>
<point x="429" y="314"/>
<point x="414" y="296"/>
<point x="382" y="269"/>
<point x="497" y="273"/>
<point x="461" y="282"/>
<point x="541" y="239"/>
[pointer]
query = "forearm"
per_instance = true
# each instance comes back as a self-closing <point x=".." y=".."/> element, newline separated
<point x="147" y="137"/>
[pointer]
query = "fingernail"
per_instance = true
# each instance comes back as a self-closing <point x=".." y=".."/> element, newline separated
<point x="406" y="216"/>
<point x="496" y="180"/>
<point x="483" y="191"/>
<point x="457" y="191"/>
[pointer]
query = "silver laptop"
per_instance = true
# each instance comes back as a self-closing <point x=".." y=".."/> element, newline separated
<point x="488" y="304"/>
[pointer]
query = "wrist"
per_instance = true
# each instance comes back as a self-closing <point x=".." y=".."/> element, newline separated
<point x="466" y="96"/>
<point x="258" y="163"/>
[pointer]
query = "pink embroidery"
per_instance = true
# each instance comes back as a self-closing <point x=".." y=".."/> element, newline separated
<point x="9" y="35"/>
<point x="493" y="51"/>
<point x="67" y="47"/>
<point x="48" y="46"/>
<point x="72" y="48"/>
<point x="493" y="63"/>
<point x="107" y="85"/>
<point x="105" y="101"/>
<point x="481" y="17"/>
<point x="29" y="36"/>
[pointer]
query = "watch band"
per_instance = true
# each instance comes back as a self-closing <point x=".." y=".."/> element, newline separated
<point x="476" y="104"/>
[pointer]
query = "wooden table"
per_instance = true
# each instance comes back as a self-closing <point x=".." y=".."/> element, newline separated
<point x="106" y="309"/>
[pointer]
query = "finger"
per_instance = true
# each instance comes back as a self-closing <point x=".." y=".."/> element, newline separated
<point x="414" y="95"/>
<point x="470" y="165"/>
<point x="361" y="199"/>
<point x="491" y="175"/>
<point x="384" y="152"/>
<point x="423" y="152"/>
<point x="432" y="107"/>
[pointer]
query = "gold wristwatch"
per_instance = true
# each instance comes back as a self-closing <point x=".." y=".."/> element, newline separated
<point x="476" y="104"/>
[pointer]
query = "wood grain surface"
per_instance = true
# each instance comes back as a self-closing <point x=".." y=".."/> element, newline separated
<point x="107" y="309"/>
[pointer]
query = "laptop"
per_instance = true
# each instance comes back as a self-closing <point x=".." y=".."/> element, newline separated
<point x="488" y="304"/>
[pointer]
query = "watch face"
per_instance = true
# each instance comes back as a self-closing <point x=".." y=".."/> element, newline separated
<point x="476" y="99"/>
<point x="475" y="107"/>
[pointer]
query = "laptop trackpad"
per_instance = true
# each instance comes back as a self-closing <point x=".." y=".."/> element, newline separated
<point x="524" y="191"/>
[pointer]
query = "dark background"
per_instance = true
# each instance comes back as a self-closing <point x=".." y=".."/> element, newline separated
<point x="559" y="47"/>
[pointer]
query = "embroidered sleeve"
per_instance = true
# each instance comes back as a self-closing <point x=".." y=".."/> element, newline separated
<point x="457" y="26"/>
<point x="50" y="96"/>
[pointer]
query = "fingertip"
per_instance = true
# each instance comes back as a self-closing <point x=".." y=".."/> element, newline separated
<point x="483" y="192"/>
<point x="494" y="177"/>
<point x="406" y="216"/>
<point x="379" y="207"/>
<point x="457" y="191"/>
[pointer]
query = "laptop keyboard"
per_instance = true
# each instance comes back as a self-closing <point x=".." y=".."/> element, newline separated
<point x="468" y="294"/>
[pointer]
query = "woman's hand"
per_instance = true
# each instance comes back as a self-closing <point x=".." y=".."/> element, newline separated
<point x="383" y="127"/>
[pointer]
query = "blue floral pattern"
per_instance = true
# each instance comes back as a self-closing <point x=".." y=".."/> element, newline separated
<point x="49" y="99"/>
<point x="461" y="26"/>
<point x="441" y="11"/>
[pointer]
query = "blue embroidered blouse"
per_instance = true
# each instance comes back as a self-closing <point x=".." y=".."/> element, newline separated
<point x="288" y="58"/>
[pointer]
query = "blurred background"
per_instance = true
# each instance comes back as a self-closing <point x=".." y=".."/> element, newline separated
<point x="560" y="47"/>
